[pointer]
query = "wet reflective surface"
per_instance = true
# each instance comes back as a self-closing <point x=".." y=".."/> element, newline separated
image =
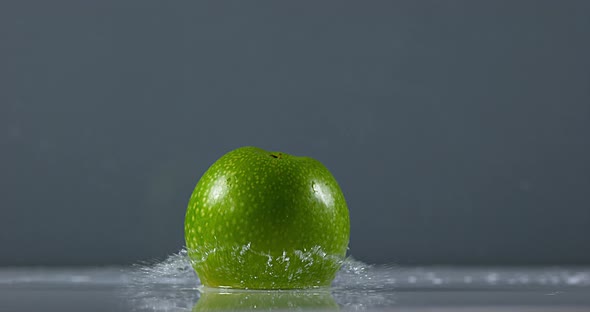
<point x="170" y="286"/>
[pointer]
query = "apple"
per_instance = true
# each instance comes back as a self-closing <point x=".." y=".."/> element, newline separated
<point x="266" y="220"/>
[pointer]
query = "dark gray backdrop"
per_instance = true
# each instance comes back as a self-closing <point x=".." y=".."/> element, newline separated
<point x="458" y="130"/>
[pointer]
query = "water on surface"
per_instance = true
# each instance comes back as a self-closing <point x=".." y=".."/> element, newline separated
<point x="359" y="286"/>
<point x="171" y="285"/>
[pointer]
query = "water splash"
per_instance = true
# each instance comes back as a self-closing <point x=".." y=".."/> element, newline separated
<point x="176" y="271"/>
<point x="167" y="285"/>
<point x="244" y="267"/>
<point x="172" y="285"/>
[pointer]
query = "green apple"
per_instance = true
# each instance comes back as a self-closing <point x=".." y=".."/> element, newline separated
<point x="266" y="220"/>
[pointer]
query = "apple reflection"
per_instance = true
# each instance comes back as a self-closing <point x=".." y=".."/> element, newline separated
<point x="234" y="300"/>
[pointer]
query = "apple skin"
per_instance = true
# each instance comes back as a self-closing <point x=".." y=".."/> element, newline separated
<point x="266" y="220"/>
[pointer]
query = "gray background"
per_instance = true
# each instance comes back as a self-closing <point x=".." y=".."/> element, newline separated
<point x="458" y="130"/>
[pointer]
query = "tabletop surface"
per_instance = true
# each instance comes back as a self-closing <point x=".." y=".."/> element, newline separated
<point x="173" y="286"/>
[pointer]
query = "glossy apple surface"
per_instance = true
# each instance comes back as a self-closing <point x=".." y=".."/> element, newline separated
<point x="266" y="220"/>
